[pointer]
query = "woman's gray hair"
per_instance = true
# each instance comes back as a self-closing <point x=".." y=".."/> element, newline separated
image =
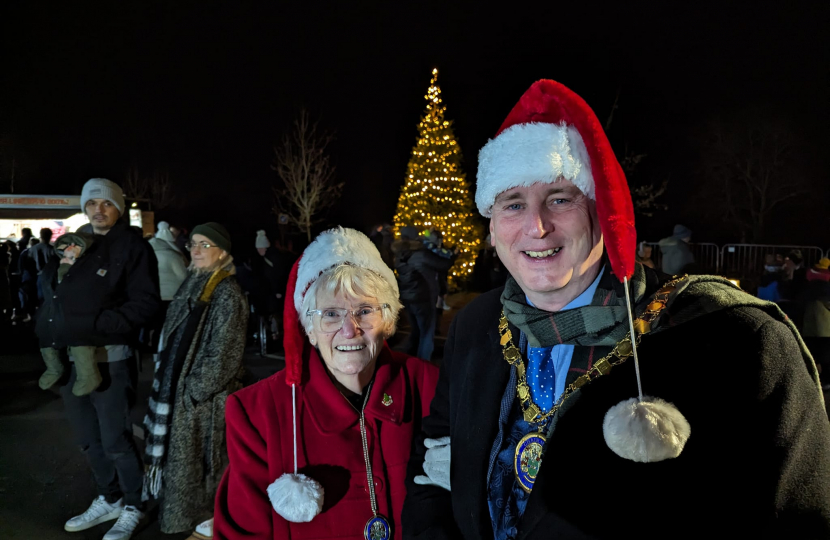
<point x="353" y="281"/>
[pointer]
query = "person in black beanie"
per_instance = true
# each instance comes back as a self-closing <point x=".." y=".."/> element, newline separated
<point x="199" y="365"/>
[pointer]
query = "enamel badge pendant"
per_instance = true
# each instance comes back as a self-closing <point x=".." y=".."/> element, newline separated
<point x="377" y="528"/>
<point x="528" y="459"/>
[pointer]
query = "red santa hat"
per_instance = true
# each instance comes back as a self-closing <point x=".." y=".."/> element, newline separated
<point x="550" y="134"/>
<point x="297" y="497"/>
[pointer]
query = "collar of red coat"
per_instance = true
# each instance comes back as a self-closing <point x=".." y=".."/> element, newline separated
<point x="332" y="413"/>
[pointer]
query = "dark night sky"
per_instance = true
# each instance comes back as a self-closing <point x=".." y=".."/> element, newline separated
<point x="204" y="89"/>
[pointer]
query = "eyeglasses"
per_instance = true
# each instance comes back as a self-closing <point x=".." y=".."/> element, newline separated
<point x="330" y="320"/>
<point x="204" y="245"/>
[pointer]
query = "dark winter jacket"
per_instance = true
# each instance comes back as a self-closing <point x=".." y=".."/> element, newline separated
<point x="418" y="271"/>
<point x="26" y="266"/>
<point x="757" y="464"/>
<point x="43" y="254"/>
<point x="271" y="271"/>
<point x="107" y="296"/>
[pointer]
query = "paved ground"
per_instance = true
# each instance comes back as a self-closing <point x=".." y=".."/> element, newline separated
<point x="44" y="479"/>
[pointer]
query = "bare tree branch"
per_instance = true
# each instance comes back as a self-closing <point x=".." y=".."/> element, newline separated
<point x="746" y="163"/>
<point x="306" y="173"/>
<point x="156" y="187"/>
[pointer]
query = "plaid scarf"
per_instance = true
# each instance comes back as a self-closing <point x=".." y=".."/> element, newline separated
<point x="604" y="322"/>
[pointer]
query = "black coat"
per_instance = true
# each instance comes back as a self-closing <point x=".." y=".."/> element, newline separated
<point x="271" y="280"/>
<point x="108" y="295"/>
<point x="418" y="271"/>
<point x="757" y="464"/>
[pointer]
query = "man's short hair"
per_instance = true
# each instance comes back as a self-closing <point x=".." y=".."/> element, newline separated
<point x="46" y="235"/>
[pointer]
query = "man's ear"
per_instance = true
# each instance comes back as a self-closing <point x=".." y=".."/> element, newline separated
<point x="492" y="232"/>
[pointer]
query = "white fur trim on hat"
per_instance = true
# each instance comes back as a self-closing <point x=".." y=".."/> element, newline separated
<point x="262" y="240"/>
<point x="101" y="188"/>
<point x="334" y="247"/>
<point x="525" y="154"/>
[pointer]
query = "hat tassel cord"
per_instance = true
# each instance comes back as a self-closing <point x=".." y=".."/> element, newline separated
<point x="296" y="497"/>
<point x="645" y="429"/>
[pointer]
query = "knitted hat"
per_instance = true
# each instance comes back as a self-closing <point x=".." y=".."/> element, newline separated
<point x="822" y="264"/>
<point x="214" y="232"/>
<point x="262" y="240"/>
<point x="101" y="188"/>
<point x="681" y="231"/>
<point x="164" y="232"/>
<point x="551" y="134"/>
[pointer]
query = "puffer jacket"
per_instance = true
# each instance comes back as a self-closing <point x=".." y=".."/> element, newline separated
<point x="172" y="267"/>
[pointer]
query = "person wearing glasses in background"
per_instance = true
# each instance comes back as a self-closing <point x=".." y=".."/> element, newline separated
<point x="199" y="365"/>
<point x="304" y="443"/>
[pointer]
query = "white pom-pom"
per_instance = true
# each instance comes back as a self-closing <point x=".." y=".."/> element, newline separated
<point x="296" y="497"/>
<point x="645" y="431"/>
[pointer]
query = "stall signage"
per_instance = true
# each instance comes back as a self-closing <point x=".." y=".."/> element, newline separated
<point x="40" y="201"/>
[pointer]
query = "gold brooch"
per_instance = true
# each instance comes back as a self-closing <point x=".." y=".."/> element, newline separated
<point x="387" y="399"/>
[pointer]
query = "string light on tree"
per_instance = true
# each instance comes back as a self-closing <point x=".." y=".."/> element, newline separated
<point x="436" y="193"/>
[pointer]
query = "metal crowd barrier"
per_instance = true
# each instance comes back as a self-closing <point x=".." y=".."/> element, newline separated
<point x="748" y="259"/>
<point x="707" y="256"/>
<point x="739" y="261"/>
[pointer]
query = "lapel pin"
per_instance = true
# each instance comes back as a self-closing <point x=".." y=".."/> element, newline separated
<point x="387" y="399"/>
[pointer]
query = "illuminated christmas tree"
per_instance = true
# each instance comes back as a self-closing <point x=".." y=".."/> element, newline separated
<point x="436" y="194"/>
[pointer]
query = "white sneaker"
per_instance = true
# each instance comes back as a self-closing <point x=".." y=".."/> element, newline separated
<point x="126" y="524"/>
<point x="98" y="512"/>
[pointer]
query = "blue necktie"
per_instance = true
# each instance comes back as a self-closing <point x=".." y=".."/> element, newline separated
<point x="541" y="376"/>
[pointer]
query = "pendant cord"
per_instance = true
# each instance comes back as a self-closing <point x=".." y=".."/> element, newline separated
<point x="369" y="479"/>
<point x="294" y="415"/>
<point x="633" y="337"/>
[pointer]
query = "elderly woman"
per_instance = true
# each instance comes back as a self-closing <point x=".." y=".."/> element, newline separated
<point x="200" y="364"/>
<point x="320" y="449"/>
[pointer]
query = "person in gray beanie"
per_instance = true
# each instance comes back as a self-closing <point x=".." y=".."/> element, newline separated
<point x="103" y="300"/>
<point x="102" y="201"/>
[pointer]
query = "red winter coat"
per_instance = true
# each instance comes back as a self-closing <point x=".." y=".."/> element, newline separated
<point x="329" y="449"/>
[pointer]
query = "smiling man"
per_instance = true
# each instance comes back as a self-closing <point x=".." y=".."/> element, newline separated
<point x="540" y="427"/>
<point x="103" y="300"/>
